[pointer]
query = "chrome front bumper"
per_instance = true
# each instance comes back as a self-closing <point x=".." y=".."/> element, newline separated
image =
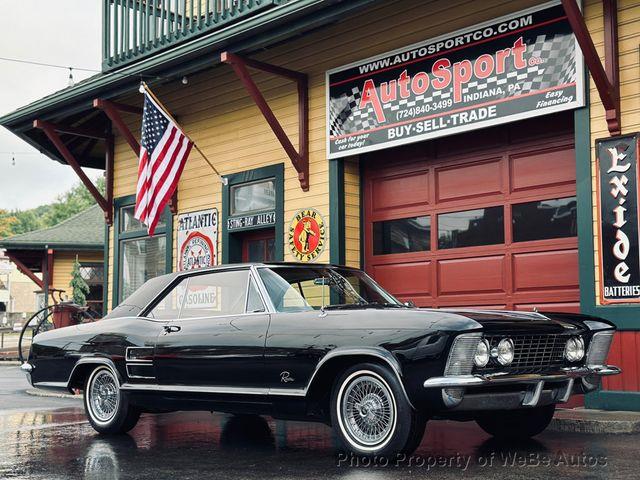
<point x="537" y="389"/>
<point x="502" y="378"/>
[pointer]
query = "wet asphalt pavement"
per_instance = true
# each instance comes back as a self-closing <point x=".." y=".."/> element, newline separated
<point x="49" y="438"/>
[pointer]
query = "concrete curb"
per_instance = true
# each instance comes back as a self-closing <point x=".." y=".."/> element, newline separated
<point x="9" y="363"/>
<point x="43" y="393"/>
<point x="581" y="420"/>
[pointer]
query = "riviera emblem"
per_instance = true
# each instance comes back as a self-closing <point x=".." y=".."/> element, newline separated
<point x="285" y="377"/>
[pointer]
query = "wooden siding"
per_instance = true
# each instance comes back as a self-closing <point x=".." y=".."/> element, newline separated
<point x="63" y="265"/>
<point x="629" y="38"/>
<point x="221" y="118"/>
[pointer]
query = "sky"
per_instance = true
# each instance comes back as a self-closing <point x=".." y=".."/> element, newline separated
<point x="62" y="32"/>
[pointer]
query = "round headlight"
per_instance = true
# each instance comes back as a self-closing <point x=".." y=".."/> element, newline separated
<point x="482" y="355"/>
<point x="574" y="349"/>
<point x="505" y="351"/>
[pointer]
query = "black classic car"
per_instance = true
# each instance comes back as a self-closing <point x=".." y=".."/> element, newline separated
<point x="322" y="343"/>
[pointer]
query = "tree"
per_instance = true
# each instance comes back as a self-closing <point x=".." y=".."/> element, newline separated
<point x="66" y="205"/>
<point x="79" y="286"/>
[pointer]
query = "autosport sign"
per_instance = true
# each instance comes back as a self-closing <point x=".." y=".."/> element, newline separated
<point x="617" y="168"/>
<point x="514" y="67"/>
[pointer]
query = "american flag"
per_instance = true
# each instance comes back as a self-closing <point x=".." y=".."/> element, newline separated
<point x="164" y="149"/>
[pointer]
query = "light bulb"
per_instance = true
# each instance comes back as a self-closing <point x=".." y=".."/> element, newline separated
<point x="71" y="81"/>
<point x="185" y="80"/>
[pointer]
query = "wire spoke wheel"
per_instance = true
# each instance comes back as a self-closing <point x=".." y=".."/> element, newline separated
<point x="104" y="396"/>
<point x="368" y="410"/>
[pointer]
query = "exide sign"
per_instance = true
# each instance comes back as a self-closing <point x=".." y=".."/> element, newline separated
<point x="617" y="167"/>
<point x="511" y="68"/>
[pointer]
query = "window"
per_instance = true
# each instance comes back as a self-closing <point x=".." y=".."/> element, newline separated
<point x="129" y="223"/>
<point x="138" y="256"/>
<point x="254" y="302"/>
<point x="93" y="274"/>
<point x="484" y="226"/>
<point x="253" y="197"/>
<point x="402" y="236"/>
<point x="216" y="294"/>
<point x="307" y="288"/>
<point x="545" y="219"/>
<point x="169" y="307"/>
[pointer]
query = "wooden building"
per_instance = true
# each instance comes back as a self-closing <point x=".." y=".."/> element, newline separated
<point x="474" y="184"/>
<point x="47" y="256"/>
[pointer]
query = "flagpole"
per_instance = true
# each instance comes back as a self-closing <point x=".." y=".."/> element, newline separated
<point x="151" y="94"/>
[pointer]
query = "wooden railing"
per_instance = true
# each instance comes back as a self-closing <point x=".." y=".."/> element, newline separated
<point x="133" y="29"/>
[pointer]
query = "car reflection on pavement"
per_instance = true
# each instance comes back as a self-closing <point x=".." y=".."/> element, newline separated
<point x="60" y="444"/>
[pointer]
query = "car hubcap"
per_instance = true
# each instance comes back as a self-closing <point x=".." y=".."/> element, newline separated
<point x="103" y="396"/>
<point x="367" y="410"/>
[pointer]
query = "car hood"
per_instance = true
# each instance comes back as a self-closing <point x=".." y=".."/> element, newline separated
<point x="502" y="321"/>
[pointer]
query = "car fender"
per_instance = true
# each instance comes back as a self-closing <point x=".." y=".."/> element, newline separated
<point x="88" y="363"/>
<point x="377" y="353"/>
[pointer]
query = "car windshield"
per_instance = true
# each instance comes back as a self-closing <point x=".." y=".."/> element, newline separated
<point x="293" y="289"/>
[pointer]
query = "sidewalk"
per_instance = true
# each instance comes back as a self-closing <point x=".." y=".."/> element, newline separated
<point x="582" y="420"/>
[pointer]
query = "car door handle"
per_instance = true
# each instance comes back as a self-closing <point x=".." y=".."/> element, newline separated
<point x="171" y="329"/>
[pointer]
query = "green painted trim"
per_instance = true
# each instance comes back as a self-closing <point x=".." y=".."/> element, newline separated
<point x="625" y="317"/>
<point x="167" y="230"/>
<point x="613" y="400"/>
<point x="337" y="240"/>
<point x="105" y="286"/>
<point x="229" y="244"/>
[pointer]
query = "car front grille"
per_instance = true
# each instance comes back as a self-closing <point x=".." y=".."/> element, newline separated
<point x="534" y="353"/>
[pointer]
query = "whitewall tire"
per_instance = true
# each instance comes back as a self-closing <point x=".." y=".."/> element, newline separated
<point x="370" y="413"/>
<point x="107" y="407"/>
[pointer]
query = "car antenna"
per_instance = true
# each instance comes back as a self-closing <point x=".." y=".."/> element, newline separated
<point x="323" y="305"/>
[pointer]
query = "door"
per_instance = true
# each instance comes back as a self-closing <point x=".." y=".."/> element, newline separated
<point x="259" y="246"/>
<point x="217" y="337"/>
<point x="484" y="220"/>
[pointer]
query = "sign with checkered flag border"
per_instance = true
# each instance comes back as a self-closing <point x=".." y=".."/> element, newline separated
<point x="511" y="68"/>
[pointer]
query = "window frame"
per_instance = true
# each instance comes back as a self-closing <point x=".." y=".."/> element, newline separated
<point x="252" y="275"/>
<point x="118" y="238"/>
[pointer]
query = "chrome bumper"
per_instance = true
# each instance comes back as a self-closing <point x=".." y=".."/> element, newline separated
<point x="502" y="378"/>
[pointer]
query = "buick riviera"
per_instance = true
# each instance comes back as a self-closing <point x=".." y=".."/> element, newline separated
<point x="320" y="343"/>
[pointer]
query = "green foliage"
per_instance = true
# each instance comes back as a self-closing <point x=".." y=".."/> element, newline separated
<point x="79" y="286"/>
<point x="66" y="205"/>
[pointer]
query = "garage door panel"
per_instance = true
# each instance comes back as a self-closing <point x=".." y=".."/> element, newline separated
<point x="400" y="191"/>
<point x="471" y="275"/>
<point x="543" y="169"/>
<point x="468" y="181"/>
<point x="545" y="270"/>
<point x="400" y="279"/>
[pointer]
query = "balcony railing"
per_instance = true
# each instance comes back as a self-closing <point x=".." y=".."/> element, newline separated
<point x="133" y="29"/>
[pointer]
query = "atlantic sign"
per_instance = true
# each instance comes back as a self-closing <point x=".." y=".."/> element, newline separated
<point x="520" y="66"/>
<point x="617" y="167"/>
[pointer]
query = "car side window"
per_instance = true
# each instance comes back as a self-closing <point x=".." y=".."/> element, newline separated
<point x="169" y="307"/>
<point x="254" y="302"/>
<point x="216" y="294"/>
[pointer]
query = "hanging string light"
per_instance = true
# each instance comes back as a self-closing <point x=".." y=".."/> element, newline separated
<point x="71" y="82"/>
<point x="13" y="160"/>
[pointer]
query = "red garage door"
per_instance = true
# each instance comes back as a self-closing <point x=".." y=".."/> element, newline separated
<point x="486" y="219"/>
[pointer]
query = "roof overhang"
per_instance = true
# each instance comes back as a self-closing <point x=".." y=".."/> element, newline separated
<point x="74" y="106"/>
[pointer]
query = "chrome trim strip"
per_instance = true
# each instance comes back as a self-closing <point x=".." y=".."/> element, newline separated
<point x="137" y="360"/>
<point x="195" y="389"/>
<point x="499" y="378"/>
<point x="143" y="377"/>
<point x="60" y="385"/>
